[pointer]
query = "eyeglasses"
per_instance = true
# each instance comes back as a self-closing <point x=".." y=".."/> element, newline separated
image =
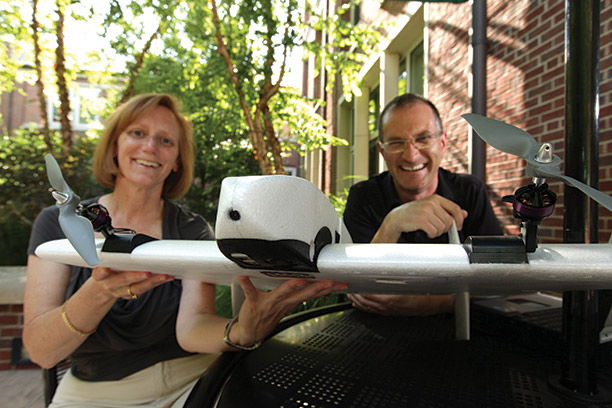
<point x="420" y="142"/>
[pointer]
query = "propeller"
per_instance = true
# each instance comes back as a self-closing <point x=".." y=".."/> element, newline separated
<point x="77" y="228"/>
<point x="541" y="162"/>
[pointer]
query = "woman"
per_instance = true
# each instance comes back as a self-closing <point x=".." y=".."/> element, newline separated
<point x="132" y="335"/>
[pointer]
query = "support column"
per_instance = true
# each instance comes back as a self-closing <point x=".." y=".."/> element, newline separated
<point x="478" y="149"/>
<point x="389" y="74"/>
<point x="343" y="153"/>
<point x="581" y="325"/>
<point x="360" y="144"/>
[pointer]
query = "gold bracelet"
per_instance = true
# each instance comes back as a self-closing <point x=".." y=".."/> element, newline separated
<point x="70" y="326"/>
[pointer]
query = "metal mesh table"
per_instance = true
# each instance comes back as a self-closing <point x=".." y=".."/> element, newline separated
<point x="352" y="359"/>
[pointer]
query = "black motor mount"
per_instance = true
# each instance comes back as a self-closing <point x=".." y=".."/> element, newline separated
<point x="122" y="240"/>
<point x="531" y="204"/>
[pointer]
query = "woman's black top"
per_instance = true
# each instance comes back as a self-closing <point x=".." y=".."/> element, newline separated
<point x="135" y="333"/>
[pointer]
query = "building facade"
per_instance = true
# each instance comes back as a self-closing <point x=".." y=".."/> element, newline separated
<point x="20" y="107"/>
<point x="428" y="51"/>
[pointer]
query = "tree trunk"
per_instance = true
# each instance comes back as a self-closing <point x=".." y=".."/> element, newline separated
<point x="40" y="88"/>
<point x="273" y="143"/>
<point x="261" y="130"/>
<point x="256" y="135"/>
<point x="329" y="183"/>
<point x="60" y="70"/>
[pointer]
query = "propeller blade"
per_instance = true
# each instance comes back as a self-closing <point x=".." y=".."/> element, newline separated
<point x="77" y="228"/>
<point x="54" y="173"/>
<point x="601" y="198"/>
<point x="503" y="136"/>
<point x="513" y="140"/>
<point x="80" y="233"/>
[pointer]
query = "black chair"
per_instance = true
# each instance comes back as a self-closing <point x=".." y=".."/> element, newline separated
<point x="52" y="377"/>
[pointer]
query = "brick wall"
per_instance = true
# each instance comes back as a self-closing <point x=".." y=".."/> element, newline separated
<point x="12" y="284"/>
<point x="605" y="112"/>
<point x="18" y="107"/>
<point x="448" y="74"/>
<point x="11" y="325"/>
<point x="525" y="87"/>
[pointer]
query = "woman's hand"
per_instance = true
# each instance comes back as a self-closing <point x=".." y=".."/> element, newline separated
<point x="126" y="284"/>
<point x="261" y="311"/>
<point x="200" y="330"/>
<point x="52" y="324"/>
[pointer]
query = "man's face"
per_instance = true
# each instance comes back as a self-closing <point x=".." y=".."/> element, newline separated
<point x="414" y="171"/>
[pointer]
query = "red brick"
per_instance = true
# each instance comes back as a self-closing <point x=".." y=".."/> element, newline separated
<point x="556" y="92"/>
<point x="8" y="320"/>
<point x="5" y="355"/>
<point x="10" y="332"/>
<point x="554" y="72"/>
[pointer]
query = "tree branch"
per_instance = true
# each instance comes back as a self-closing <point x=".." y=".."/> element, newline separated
<point x="254" y="129"/>
<point x="60" y="69"/>
<point x="129" y="90"/>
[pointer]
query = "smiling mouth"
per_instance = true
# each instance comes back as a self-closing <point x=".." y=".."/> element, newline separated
<point x="147" y="163"/>
<point x="413" y="168"/>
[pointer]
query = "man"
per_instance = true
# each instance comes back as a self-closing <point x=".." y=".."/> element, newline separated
<point x="415" y="201"/>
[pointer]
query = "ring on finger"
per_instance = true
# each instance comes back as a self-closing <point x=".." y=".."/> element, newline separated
<point x="131" y="294"/>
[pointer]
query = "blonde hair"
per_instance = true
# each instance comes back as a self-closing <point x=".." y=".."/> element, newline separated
<point x="104" y="163"/>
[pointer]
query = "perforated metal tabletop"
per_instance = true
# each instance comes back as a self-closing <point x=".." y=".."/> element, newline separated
<point x="354" y="359"/>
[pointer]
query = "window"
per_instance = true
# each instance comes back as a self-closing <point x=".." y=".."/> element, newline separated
<point x="402" y="81"/>
<point x="417" y="70"/>
<point x="412" y="72"/>
<point x="85" y="103"/>
<point x="355" y="13"/>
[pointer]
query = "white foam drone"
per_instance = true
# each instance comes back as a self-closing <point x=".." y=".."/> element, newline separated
<point x="272" y="228"/>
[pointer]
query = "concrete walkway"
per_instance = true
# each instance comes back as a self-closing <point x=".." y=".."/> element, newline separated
<point x="21" y="389"/>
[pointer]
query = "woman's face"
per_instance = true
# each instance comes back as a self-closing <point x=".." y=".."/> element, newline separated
<point x="148" y="149"/>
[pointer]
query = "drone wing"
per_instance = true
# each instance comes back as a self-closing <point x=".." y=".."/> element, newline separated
<point x="270" y="245"/>
<point x="373" y="268"/>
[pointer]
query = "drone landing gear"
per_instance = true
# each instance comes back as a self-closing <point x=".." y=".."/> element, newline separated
<point x="121" y="240"/>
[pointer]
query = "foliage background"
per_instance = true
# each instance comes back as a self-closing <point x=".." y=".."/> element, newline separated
<point x="165" y="46"/>
<point x="24" y="185"/>
<point x="170" y="47"/>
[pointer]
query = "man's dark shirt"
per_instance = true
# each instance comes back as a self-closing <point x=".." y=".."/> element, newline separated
<point x="370" y="201"/>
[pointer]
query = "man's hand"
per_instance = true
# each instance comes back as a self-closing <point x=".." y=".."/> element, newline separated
<point x="403" y="305"/>
<point x="434" y="215"/>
